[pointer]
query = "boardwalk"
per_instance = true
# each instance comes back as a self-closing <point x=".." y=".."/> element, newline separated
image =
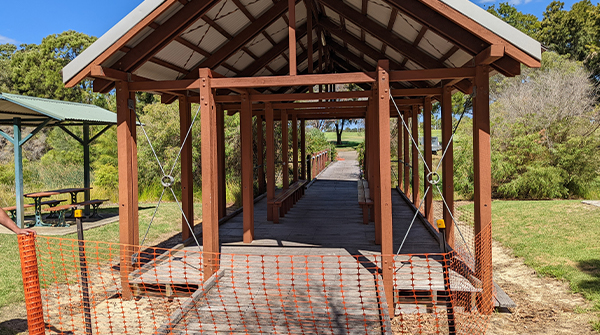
<point x="313" y="273"/>
<point x="328" y="218"/>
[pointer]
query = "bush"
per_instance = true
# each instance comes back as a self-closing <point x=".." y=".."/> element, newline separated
<point x="107" y="176"/>
<point x="544" y="135"/>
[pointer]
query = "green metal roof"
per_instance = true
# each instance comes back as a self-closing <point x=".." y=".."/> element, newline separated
<point x="34" y="111"/>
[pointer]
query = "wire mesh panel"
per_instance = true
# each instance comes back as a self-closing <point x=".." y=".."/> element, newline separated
<point x="254" y="293"/>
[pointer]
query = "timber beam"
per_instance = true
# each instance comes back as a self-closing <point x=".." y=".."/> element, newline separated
<point x="380" y="32"/>
<point x="433" y="74"/>
<point x="163" y="34"/>
<point x="456" y="32"/>
<point x="270" y="55"/>
<point x="241" y="39"/>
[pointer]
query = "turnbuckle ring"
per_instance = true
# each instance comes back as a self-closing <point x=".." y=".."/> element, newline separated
<point x="167" y="181"/>
<point x="433" y="178"/>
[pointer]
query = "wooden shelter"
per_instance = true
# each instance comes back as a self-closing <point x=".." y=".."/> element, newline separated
<point x="264" y="58"/>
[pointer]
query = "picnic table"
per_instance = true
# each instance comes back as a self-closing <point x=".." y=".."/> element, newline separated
<point x="37" y="199"/>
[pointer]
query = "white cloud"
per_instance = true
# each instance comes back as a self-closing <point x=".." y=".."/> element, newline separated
<point x="4" y="40"/>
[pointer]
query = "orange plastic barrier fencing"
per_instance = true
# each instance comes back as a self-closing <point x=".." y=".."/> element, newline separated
<point x="255" y="293"/>
<point x="31" y="284"/>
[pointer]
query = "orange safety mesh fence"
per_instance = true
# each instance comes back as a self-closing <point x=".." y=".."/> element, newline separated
<point x="254" y="293"/>
<point x="31" y="284"/>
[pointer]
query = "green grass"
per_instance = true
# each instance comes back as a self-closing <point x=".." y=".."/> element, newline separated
<point x="349" y="139"/>
<point x="166" y="224"/>
<point x="558" y="238"/>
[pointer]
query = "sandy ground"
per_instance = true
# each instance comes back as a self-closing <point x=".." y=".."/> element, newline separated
<point x="544" y="305"/>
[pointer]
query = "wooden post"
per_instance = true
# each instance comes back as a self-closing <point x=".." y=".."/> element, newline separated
<point x="366" y="152"/>
<point x="128" y="189"/>
<point x="428" y="160"/>
<point x="384" y="187"/>
<point x="415" y="156"/>
<point x="400" y="126"/>
<point x="295" y="147"/>
<point x="303" y="149"/>
<point x="247" y="167"/>
<point x="406" y="156"/>
<point x="320" y="61"/>
<point x="210" y="190"/>
<point x="447" y="164"/>
<point x="309" y="42"/>
<point x="270" y="123"/>
<point x="483" y="187"/>
<point x="292" y="36"/>
<point x="187" y="178"/>
<point x="375" y="161"/>
<point x="221" y="179"/>
<point x="284" y="149"/>
<point x="260" y="154"/>
<point x="86" y="164"/>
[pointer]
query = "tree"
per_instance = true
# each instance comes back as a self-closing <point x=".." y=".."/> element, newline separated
<point x="527" y="23"/>
<point x="6" y="53"/>
<point x="544" y="126"/>
<point x="575" y="33"/>
<point x="339" y="128"/>
<point x="36" y="69"/>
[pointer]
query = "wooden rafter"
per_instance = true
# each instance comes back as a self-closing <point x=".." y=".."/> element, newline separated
<point x="379" y="32"/>
<point x="355" y="42"/>
<point x="364" y="65"/>
<point x="121" y="42"/>
<point x="241" y="39"/>
<point x="453" y="32"/>
<point x="449" y="53"/>
<point x="203" y="52"/>
<point x="420" y="36"/>
<point x="164" y="34"/>
<point x="270" y="55"/>
<point x="390" y="25"/>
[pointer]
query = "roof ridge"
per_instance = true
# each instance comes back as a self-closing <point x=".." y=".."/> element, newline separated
<point x="49" y="100"/>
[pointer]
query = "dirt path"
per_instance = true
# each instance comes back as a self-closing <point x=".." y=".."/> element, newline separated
<point x="544" y="305"/>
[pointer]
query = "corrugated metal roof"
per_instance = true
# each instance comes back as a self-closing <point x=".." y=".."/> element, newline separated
<point x="232" y="20"/>
<point x="12" y="105"/>
<point x="109" y="38"/>
<point x="497" y="26"/>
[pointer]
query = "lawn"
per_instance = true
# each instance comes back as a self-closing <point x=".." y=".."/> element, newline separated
<point x="558" y="238"/>
<point x="349" y="139"/>
<point x="166" y="224"/>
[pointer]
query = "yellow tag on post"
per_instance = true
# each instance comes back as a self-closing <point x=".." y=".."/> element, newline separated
<point x="441" y="224"/>
<point x="78" y="213"/>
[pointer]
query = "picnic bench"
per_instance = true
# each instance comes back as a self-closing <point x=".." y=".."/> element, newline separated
<point x="286" y="199"/>
<point x="364" y="200"/>
<point x="61" y="213"/>
<point x="12" y="210"/>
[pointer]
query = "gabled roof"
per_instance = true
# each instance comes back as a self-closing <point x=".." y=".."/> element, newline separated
<point x="170" y="39"/>
<point x="33" y="111"/>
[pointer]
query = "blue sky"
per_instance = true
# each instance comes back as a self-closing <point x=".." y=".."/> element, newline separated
<point x="29" y="22"/>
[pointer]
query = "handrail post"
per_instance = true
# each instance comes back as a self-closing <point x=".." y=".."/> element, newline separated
<point x="308" y="167"/>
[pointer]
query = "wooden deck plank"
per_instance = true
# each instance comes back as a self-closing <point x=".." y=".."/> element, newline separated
<point x="300" y="276"/>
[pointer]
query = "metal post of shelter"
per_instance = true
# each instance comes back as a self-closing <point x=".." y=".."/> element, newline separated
<point x="18" y="171"/>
